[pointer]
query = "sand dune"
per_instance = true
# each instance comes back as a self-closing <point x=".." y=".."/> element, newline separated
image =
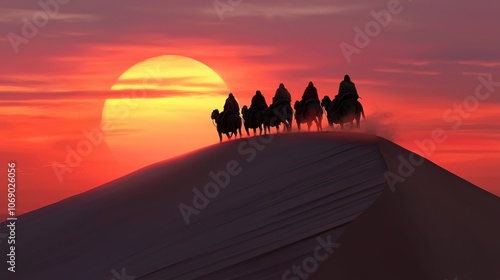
<point x="290" y="206"/>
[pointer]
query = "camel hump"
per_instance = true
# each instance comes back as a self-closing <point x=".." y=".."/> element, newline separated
<point x="312" y="100"/>
<point x="347" y="96"/>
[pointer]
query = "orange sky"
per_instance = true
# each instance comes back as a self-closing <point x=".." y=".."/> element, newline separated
<point x="53" y="90"/>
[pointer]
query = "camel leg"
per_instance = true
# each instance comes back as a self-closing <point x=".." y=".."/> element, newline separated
<point x="317" y="124"/>
<point x="220" y="137"/>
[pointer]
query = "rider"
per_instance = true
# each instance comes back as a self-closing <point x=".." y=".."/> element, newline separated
<point x="230" y="107"/>
<point x="310" y="93"/>
<point x="348" y="87"/>
<point x="347" y="90"/>
<point x="282" y="94"/>
<point x="258" y="102"/>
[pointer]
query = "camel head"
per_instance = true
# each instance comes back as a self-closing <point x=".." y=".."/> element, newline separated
<point x="296" y="105"/>
<point x="244" y="110"/>
<point x="326" y="101"/>
<point x="215" y="114"/>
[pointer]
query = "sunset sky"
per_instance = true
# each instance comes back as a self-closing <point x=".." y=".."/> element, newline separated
<point x="86" y="63"/>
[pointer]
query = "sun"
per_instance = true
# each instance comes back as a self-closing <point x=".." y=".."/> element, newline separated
<point x="162" y="109"/>
<point x="172" y="73"/>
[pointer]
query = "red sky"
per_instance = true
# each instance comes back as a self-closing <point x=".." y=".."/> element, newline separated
<point x="427" y="59"/>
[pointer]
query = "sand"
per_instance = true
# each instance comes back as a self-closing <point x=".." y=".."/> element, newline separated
<point x="286" y="198"/>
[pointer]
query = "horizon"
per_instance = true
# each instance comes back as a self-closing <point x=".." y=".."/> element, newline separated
<point x="93" y="91"/>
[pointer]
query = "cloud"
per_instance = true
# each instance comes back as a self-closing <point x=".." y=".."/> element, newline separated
<point x="414" y="62"/>
<point x="21" y="99"/>
<point x="475" y="74"/>
<point x="17" y="98"/>
<point x="407" y="71"/>
<point x="271" y="11"/>
<point x="15" y="15"/>
<point x="483" y="63"/>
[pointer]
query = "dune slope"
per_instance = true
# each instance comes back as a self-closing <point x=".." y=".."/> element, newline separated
<point x="433" y="225"/>
<point x="269" y="203"/>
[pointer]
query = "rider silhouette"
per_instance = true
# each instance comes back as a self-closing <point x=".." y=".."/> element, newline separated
<point x="230" y="107"/>
<point x="282" y="94"/>
<point x="347" y="90"/>
<point x="310" y="93"/>
<point x="258" y="102"/>
<point x="347" y="87"/>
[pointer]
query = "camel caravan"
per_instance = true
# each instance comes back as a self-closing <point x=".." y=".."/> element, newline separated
<point x="344" y="108"/>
